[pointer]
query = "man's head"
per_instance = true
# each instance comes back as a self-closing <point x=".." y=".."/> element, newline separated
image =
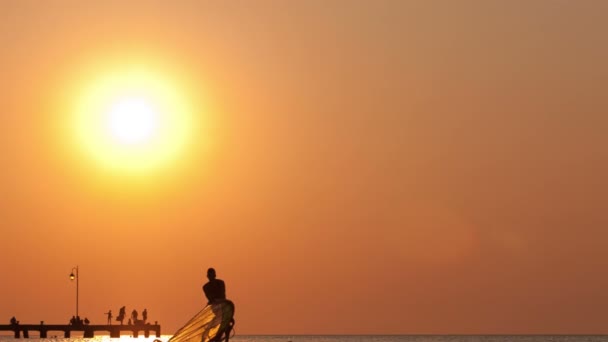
<point x="211" y="273"/>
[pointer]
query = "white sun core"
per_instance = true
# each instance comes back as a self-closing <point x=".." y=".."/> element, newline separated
<point x="133" y="121"/>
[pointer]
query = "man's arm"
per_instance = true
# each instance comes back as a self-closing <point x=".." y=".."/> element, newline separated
<point x="206" y="292"/>
<point x="223" y="289"/>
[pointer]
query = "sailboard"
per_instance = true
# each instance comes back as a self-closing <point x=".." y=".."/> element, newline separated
<point x="208" y="325"/>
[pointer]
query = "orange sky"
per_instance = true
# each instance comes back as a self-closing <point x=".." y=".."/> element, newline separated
<point x="363" y="166"/>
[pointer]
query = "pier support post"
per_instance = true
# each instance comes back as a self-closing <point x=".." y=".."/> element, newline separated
<point x="26" y="334"/>
<point x="43" y="333"/>
<point x="66" y="334"/>
<point x="17" y="333"/>
<point x="88" y="333"/>
<point x="114" y="333"/>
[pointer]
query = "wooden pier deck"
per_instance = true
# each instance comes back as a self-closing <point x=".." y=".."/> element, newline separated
<point x="87" y="329"/>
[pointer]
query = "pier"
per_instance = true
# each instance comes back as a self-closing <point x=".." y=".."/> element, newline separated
<point x="87" y="329"/>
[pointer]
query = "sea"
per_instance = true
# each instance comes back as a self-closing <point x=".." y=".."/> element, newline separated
<point x="345" y="338"/>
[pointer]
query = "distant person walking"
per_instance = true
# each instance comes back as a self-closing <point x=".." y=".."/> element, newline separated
<point x="214" y="289"/>
<point x="109" y="313"/>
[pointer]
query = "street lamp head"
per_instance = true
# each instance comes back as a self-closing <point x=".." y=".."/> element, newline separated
<point x="72" y="276"/>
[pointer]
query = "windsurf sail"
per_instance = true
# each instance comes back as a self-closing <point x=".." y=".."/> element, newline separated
<point x="210" y="324"/>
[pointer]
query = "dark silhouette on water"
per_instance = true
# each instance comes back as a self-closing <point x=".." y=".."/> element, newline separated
<point x="109" y="313"/>
<point x="213" y="321"/>
<point x="214" y="289"/>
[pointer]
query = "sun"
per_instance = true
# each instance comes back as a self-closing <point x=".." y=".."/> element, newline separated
<point x="132" y="120"/>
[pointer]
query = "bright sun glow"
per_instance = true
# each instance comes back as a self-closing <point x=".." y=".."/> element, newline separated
<point x="133" y="120"/>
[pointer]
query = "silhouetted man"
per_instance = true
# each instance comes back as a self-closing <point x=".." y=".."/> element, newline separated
<point x="109" y="313"/>
<point x="215" y="289"/>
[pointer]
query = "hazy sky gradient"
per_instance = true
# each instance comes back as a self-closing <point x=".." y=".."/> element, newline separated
<point x="369" y="166"/>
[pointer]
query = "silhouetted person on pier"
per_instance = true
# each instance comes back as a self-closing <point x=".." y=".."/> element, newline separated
<point x="14" y="321"/>
<point x="86" y="321"/>
<point x="215" y="289"/>
<point x="129" y="323"/>
<point x="134" y="315"/>
<point x="73" y="320"/>
<point x="109" y="313"/>
<point x="144" y="315"/>
<point x="121" y="315"/>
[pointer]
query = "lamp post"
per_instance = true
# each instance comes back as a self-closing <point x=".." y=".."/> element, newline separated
<point x="72" y="277"/>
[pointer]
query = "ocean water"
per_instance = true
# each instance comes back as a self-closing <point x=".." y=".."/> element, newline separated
<point x="346" y="338"/>
<point x="421" y="338"/>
